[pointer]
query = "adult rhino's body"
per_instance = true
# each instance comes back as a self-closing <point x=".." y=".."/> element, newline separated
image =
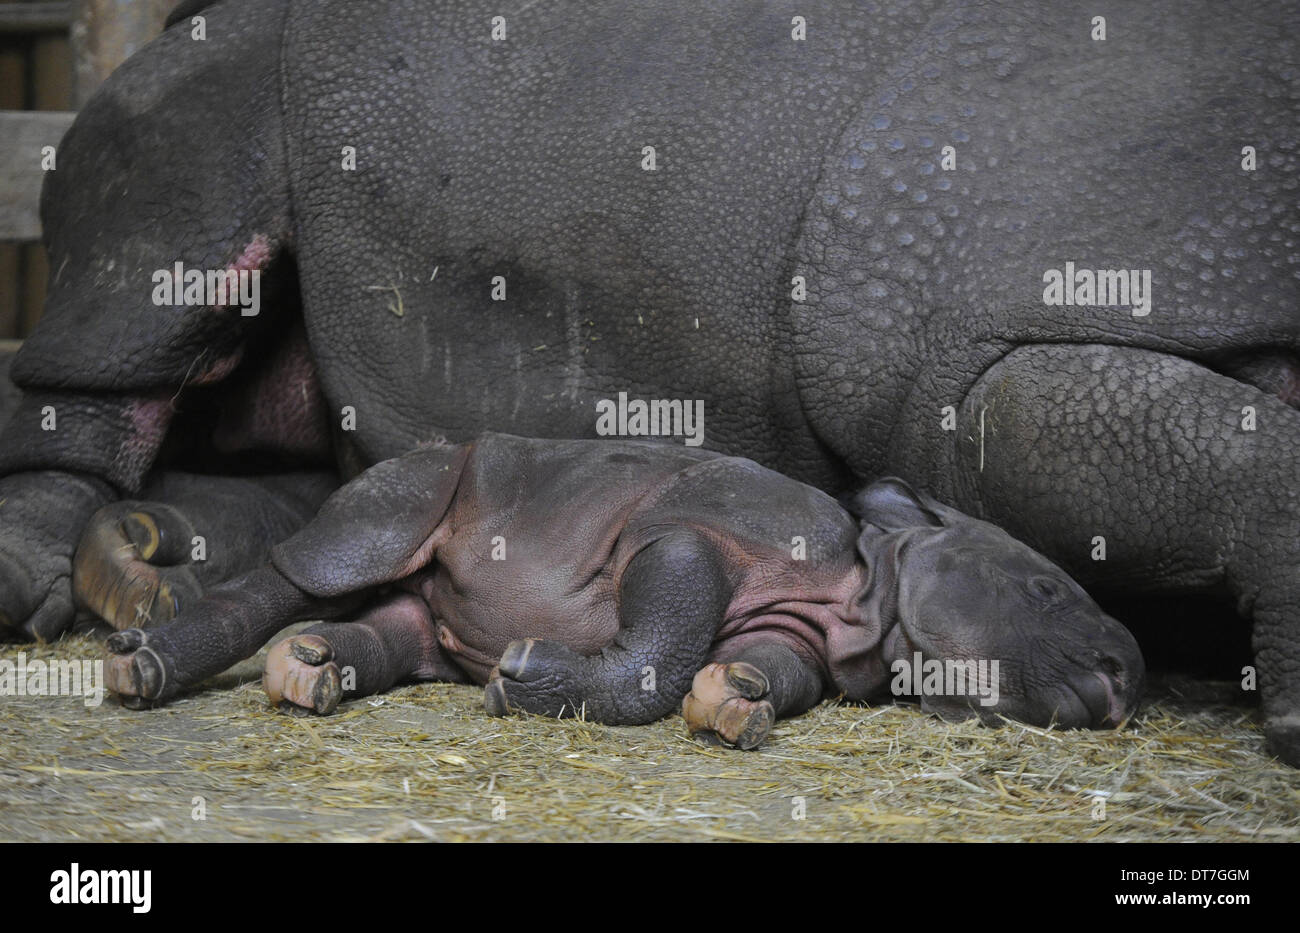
<point x="775" y="158"/>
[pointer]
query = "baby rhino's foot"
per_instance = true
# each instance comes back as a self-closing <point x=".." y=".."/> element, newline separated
<point x="727" y="703"/>
<point x="537" y="676"/>
<point x="134" y="670"/>
<point x="301" y="675"/>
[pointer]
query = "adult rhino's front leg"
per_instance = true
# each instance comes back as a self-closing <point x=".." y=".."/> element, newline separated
<point x="1191" y="478"/>
<point x="42" y="514"/>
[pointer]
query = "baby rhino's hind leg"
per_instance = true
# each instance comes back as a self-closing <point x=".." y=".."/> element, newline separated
<point x="392" y="642"/>
<point x="671" y="601"/>
<point x="736" y="699"/>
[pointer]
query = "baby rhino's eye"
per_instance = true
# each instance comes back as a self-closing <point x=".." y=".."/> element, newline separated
<point x="1048" y="588"/>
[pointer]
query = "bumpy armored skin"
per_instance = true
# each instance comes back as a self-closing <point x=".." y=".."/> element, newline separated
<point x="821" y="159"/>
<point x="621" y="580"/>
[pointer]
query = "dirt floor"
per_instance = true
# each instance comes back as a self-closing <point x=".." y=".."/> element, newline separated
<point x="426" y="762"/>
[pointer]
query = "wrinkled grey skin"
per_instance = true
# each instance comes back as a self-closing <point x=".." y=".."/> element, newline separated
<point x="9" y="393"/>
<point x="775" y="158"/>
<point x="557" y="573"/>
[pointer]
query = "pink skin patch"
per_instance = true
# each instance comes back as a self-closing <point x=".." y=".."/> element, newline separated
<point x="819" y="620"/>
<point x="256" y="255"/>
<point x="149" y="418"/>
<point x="1290" y="390"/>
<point x="216" y="370"/>
<point x="279" y="407"/>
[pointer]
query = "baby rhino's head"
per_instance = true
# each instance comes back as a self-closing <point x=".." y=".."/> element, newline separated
<point x="978" y="623"/>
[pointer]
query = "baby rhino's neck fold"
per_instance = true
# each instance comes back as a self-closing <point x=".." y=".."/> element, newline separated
<point x="858" y="654"/>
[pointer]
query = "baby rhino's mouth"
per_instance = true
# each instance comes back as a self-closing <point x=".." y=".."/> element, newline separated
<point x="1104" y="698"/>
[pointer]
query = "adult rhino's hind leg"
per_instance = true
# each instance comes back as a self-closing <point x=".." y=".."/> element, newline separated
<point x="672" y="598"/>
<point x="1189" y="480"/>
<point x="141" y="561"/>
<point x="392" y="642"/>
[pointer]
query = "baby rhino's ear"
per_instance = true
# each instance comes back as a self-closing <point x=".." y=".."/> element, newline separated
<point x="892" y="505"/>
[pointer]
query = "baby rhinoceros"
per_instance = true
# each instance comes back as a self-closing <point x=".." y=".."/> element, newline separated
<point x="621" y="580"/>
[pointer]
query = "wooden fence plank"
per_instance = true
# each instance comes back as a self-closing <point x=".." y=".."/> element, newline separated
<point x="107" y="33"/>
<point x="37" y="17"/>
<point x="23" y="134"/>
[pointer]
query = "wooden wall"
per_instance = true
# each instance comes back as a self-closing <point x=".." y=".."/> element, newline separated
<point x="52" y="57"/>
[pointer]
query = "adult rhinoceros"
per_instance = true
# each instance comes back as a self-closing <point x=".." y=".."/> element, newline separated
<point x="1080" y="322"/>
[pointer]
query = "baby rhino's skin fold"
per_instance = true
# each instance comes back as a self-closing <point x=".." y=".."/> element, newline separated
<point x="621" y="580"/>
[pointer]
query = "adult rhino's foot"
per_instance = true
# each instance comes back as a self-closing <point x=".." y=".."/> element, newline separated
<point x="28" y="617"/>
<point x="729" y="702"/>
<point x="131" y="567"/>
<point x="142" y="563"/>
<point x="41" y="517"/>
<point x="1282" y="739"/>
<point x="35" y="595"/>
<point x="535" y="676"/>
<point x="302" y="675"/>
<point x="135" y="671"/>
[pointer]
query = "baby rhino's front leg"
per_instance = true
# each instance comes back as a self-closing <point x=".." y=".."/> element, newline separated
<point x="736" y="701"/>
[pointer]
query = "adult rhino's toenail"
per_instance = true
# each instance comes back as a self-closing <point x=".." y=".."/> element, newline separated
<point x="168" y="604"/>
